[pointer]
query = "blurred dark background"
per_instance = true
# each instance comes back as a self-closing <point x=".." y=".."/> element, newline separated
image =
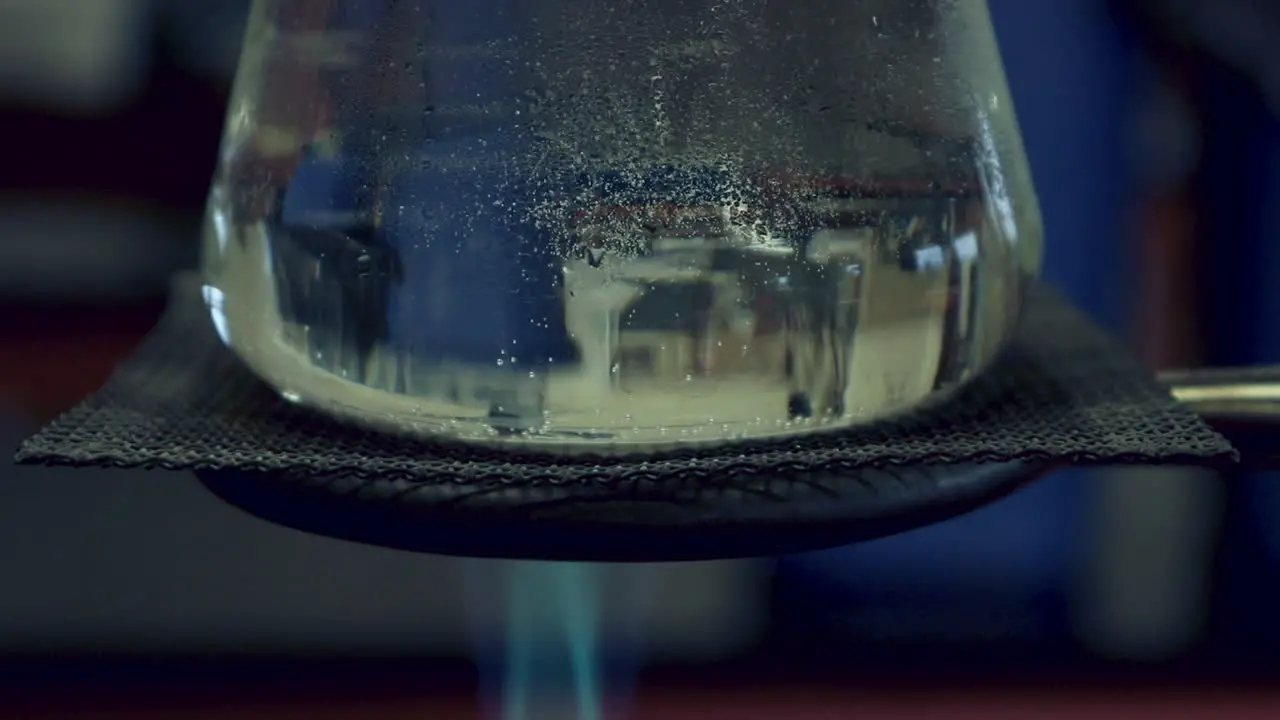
<point x="1152" y="131"/>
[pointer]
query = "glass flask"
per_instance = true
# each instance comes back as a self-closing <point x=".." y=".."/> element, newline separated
<point x="596" y="225"/>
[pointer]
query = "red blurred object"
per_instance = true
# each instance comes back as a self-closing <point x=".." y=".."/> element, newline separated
<point x="52" y="358"/>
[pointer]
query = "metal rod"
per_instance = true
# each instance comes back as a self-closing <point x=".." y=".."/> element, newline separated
<point x="1238" y="394"/>
<point x="1243" y="404"/>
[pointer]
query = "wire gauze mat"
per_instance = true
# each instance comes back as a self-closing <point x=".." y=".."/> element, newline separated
<point x="1063" y="392"/>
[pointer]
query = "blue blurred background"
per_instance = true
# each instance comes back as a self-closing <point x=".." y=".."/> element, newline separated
<point x="1152" y="131"/>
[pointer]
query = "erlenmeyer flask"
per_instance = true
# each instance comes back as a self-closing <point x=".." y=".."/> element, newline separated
<point x="600" y="224"/>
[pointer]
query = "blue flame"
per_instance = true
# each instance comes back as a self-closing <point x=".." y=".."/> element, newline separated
<point x="553" y="660"/>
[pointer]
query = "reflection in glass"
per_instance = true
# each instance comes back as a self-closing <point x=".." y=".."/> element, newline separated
<point x="585" y="222"/>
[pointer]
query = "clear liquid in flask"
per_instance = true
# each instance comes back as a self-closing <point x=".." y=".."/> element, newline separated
<point x="472" y="235"/>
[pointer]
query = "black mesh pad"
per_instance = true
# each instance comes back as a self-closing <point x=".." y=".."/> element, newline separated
<point x="645" y="522"/>
<point x="1063" y="393"/>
